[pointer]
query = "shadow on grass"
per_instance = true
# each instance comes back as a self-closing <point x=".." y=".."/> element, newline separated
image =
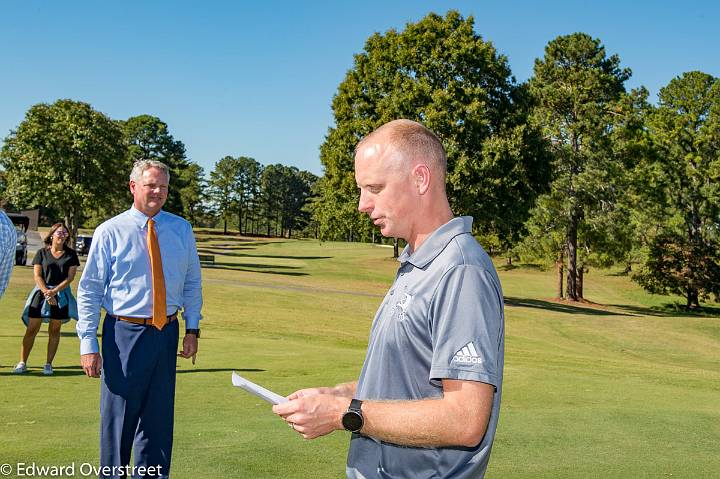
<point x="219" y="370"/>
<point x="260" y="268"/>
<point x="619" y="274"/>
<point x="255" y="265"/>
<point x="78" y="371"/>
<point x="671" y="310"/>
<point x="246" y="255"/>
<point x="42" y="334"/>
<point x="231" y="234"/>
<point x="240" y="245"/>
<point x="526" y="266"/>
<point x="210" y="249"/>
<point x="58" y="371"/>
<point x="558" y="307"/>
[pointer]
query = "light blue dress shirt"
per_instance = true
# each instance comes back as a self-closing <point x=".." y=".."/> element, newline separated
<point x="8" y="240"/>
<point x="117" y="275"/>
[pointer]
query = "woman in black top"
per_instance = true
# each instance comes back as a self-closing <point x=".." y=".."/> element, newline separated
<point x="54" y="268"/>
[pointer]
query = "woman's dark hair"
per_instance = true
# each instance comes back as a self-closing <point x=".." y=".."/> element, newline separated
<point x="53" y="229"/>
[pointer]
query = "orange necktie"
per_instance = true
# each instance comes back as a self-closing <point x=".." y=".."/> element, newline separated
<point x="159" y="316"/>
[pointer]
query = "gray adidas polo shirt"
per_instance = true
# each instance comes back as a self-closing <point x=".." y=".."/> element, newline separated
<point x="442" y="318"/>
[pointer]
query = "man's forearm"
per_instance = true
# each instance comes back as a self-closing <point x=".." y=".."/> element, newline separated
<point x="408" y="423"/>
<point x="427" y="423"/>
<point x="460" y="418"/>
<point x="345" y="389"/>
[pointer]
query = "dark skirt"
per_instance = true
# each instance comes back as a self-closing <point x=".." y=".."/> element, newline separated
<point x="36" y="304"/>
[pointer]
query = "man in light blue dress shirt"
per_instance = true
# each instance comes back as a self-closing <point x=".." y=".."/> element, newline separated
<point x="137" y="366"/>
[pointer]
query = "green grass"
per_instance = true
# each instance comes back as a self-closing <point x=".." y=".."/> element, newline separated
<point x="624" y="391"/>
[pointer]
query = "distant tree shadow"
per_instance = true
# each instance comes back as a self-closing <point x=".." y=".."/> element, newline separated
<point x="246" y="255"/>
<point x="527" y="266"/>
<point x="57" y="371"/>
<point x="218" y="370"/>
<point x="214" y="250"/>
<point x="42" y="332"/>
<point x="619" y="274"/>
<point x="78" y="371"/>
<point x="243" y="244"/>
<point x="261" y="268"/>
<point x="671" y="310"/>
<point x="666" y="311"/>
<point x="559" y="307"/>
<point x="256" y="265"/>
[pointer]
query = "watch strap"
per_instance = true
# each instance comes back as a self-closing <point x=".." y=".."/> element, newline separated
<point x="353" y="419"/>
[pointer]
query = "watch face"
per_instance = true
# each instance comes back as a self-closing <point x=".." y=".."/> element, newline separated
<point x="352" y="421"/>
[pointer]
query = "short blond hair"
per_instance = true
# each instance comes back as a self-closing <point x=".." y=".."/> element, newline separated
<point x="141" y="166"/>
<point x="412" y="141"/>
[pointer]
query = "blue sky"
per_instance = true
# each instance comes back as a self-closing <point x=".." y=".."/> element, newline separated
<point x="257" y="78"/>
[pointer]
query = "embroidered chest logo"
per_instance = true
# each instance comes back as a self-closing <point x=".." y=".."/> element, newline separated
<point x="467" y="355"/>
<point x="402" y="306"/>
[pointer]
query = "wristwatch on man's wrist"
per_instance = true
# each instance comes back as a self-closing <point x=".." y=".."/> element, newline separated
<point x="196" y="332"/>
<point x="353" y="419"/>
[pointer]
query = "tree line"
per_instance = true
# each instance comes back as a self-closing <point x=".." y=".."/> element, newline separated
<point x="73" y="162"/>
<point x="271" y="200"/>
<point x="568" y="168"/>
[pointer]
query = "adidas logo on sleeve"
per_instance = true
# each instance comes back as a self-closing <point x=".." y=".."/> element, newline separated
<point x="467" y="355"/>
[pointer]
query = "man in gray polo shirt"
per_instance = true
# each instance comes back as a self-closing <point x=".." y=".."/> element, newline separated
<point x="428" y="397"/>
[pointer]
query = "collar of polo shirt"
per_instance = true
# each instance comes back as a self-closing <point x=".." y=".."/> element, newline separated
<point x="436" y="242"/>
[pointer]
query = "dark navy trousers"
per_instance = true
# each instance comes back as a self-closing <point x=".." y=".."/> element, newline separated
<point x="137" y="396"/>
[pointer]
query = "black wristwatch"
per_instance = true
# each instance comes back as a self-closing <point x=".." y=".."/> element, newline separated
<point x="196" y="332"/>
<point x="353" y="419"/>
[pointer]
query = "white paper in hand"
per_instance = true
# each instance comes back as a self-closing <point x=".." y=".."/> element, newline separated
<point x="256" y="389"/>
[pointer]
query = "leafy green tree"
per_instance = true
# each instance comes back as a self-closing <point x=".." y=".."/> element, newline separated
<point x="678" y="264"/>
<point x="247" y="184"/>
<point x="682" y="181"/>
<point x="545" y="240"/>
<point x="252" y="192"/>
<point x="273" y="189"/>
<point x="301" y="187"/>
<point x="67" y="155"/>
<point x="439" y="72"/>
<point x="286" y="194"/>
<point x="3" y="184"/>
<point x="335" y="210"/>
<point x="193" y="194"/>
<point x="580" y="103"/>
<point x="222" y="187"/>
<point x="149" y="138"/>
<point x="277" y="196"/>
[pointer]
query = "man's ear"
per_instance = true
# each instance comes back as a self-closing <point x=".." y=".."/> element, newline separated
<point x="421" y="174"/>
